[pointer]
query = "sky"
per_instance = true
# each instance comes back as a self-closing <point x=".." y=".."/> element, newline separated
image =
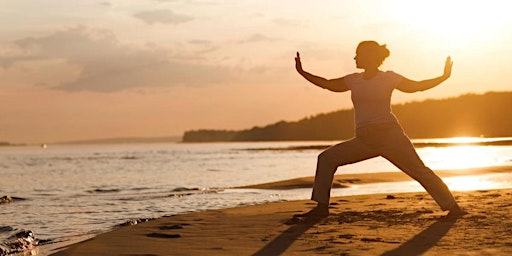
<point x="87" y="69"/>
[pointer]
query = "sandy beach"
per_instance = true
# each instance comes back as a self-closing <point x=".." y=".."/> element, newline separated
<point x="378" y="224"/>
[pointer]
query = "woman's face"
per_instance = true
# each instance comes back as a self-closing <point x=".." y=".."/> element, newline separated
<point x="365" y="58"/>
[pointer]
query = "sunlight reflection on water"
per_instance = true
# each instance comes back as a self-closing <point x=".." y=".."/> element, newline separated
<point x="479" y="182"/>
<point x="462" y="157"/>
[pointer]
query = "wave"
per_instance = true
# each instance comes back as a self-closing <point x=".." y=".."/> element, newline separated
<point x="4" y="229"/>
<point x="462" y="141"/>
<point x="18" y="241"/>
<point x="10" y="199"/>
<point x="104" y="190"/>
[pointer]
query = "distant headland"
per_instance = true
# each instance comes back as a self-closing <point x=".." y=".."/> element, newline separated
<point x="475" y="115"/>
<point x="126" y="140"/>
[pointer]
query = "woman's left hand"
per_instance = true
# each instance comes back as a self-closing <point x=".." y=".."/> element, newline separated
<point x="448" y="67"/>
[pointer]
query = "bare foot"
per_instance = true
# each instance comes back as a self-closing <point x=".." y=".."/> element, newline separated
<point x="456" y="211"/>
<point x="316" y="213"/>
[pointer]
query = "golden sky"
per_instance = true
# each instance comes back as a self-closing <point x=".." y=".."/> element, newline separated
<point x="72" y="70"/>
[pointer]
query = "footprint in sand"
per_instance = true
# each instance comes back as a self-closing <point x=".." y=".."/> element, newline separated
<point x="162" y="235"/>
<point x="173" y="226"/>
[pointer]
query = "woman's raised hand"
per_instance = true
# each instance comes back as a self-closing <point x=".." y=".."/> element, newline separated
<point x="448" y="67"/>
<point x="298" y="64"/>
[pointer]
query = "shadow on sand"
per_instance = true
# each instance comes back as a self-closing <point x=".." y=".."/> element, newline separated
<point x="281" y="243"/>
<point x="417" y="245"/>
<point x="426" y="239"/>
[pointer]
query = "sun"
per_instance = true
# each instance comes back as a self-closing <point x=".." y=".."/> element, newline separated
<point x="452" y="23"/>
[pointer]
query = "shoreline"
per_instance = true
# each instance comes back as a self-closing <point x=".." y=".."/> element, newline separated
<point x="373" y="224"/>
<point x="379" y="224"/>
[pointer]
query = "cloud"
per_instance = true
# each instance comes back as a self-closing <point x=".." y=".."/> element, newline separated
<point x="162" y="16"/>
<point x="288" y="22"/>
<point x="200" y="41"/>
<point x="107" y="66"/>
<point x="255" y="38"/>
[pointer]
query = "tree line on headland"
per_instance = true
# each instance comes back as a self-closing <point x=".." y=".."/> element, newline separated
<point x="475" y="115"/>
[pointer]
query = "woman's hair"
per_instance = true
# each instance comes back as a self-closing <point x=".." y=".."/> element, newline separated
<point x="380" y="52"/>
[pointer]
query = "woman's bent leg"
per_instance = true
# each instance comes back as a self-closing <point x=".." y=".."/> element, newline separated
<point x="347" y="152"/>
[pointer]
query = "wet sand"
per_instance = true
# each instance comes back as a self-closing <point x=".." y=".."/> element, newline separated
<point x="379" y="224"/>
<point x="346" y="180"/>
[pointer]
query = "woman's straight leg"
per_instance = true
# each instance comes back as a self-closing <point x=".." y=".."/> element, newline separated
<point x="403" y="155"/>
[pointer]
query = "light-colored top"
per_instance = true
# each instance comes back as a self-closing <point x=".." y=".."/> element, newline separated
<point x="372" y="97"/>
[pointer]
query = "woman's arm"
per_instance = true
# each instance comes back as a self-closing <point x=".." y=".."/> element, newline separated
<point x="407" y="85"/>
<point x="335" y="85"/>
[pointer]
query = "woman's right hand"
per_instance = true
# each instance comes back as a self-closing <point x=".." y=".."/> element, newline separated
<point x="298" y="64"/>
<point x="448" y="67"/>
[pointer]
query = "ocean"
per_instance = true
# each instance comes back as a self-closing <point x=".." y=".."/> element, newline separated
<point x="68" y="193"/>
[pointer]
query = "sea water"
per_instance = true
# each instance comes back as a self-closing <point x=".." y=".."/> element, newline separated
<point x="72" y="192"/>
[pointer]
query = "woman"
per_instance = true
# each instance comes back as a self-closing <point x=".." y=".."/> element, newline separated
<point x="378" y="132"/>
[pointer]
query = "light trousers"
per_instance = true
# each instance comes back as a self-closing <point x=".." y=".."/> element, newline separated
<point x="386" y="140"/>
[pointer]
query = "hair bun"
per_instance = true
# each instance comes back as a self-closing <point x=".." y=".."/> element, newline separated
<point x="384" y="51"/>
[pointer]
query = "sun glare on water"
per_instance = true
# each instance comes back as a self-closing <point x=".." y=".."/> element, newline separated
<point x="462" y="157"/>
<point x="461" y="140"/>
<point x="463" y="153"/>
<point x="466" y="154"/>
<point x="466" y="183"/>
